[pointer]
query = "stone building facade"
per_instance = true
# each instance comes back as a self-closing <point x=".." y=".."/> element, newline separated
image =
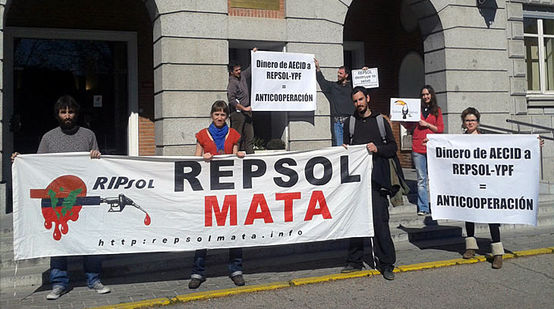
<point x="171" y="62"/>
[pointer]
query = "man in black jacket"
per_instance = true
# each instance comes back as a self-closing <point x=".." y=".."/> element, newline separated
<point x="366" y="131"/>
<point x="339" y="95"/>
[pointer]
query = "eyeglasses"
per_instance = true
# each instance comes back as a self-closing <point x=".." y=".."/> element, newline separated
<point x="470" y="120"/>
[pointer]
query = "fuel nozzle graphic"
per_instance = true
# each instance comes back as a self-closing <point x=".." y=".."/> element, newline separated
<point x="118" y="203"/>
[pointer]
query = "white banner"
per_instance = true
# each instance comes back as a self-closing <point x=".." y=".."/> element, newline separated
<point x="484" y="178"/>
<point x="120" y="204"/>
<point x="283" y="82"/>
<point x="366" y="78"/>
<point x="406" y="110"/>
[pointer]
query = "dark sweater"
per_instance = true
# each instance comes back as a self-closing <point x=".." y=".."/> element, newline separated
<point x="339" y="96"/>
<point x="366" y="131"/>
<point x="237" y="89"/>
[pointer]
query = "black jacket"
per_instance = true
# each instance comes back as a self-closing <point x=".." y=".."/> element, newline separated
<point x="366" y="131"/>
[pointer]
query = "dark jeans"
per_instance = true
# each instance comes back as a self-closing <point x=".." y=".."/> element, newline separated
<point x="235" y="263"/>
<point x="92" y="265"/>
<point x="242" y="122"/>
<point x="494" y="228"/>
<point x="382" y="241"/>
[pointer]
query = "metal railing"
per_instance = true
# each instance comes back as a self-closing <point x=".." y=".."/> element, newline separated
<point x="492" y="129"/>
<point x="535" y="126"/>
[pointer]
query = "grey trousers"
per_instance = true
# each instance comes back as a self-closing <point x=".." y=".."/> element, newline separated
<point x="242" y="122"/>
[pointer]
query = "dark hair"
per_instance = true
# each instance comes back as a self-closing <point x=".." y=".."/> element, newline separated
<point x="434" y="107"/>
<point x="220" y="106"/>
<point x="346" y="69"/>
<point x="360" y="89"/>
<point x="471" y="111"/>
<point x="66" y="101"/>
<point x="232" y="66"/>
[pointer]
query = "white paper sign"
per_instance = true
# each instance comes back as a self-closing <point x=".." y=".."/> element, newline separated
<point x="484" y="178"/>
<point x="120" y="204"/>
<point x="366" y="78"/>
<point x="407" y="110"/>
<point x="97" y="101"/>
<point x="283" y="82"/>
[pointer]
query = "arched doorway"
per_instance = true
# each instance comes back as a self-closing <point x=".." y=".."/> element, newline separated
<point x="393" y="36"/>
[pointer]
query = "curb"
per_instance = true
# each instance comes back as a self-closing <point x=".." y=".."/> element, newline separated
<point x="158" y="302"/>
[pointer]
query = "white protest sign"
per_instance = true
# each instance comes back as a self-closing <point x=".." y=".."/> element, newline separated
<point x="366" y="78"/>
<point x="484" y="178"/>
<point x="407" y="110"/>
<point x="69" y="204"/>
<point x="283" y="82"/>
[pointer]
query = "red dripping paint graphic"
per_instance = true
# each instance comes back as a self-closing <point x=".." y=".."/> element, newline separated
<point x="64" y="187"/>
<point x="147" y="220"/>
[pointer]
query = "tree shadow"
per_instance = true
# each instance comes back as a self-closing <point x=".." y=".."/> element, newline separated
<point x="488" y="11"/>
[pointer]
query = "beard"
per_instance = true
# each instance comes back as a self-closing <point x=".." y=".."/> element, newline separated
<point x="361" y="109"/>
<point x="66" y="124"/>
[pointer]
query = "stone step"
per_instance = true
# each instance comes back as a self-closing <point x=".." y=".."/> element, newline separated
<point x="34" y="275"/>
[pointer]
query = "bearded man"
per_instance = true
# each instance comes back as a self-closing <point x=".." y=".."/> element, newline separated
<point x="69" y="137"/>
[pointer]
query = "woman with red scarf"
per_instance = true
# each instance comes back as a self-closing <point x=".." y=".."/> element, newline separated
<point x="217" y="139"/>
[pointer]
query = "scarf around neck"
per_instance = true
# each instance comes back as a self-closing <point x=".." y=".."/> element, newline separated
<point x="218" y="134"/>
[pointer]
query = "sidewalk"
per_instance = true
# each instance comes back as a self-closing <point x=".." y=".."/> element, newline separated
<point x="257" y="272"/>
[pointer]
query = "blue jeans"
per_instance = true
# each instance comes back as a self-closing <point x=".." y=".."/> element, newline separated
<point x="92" y="265"/>
<point x="420" y="162"/>
<point x="199" y="264"/>
<point x="338" y="130"/>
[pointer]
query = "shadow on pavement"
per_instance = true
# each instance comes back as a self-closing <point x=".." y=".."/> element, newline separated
<point x="155" y="267"/>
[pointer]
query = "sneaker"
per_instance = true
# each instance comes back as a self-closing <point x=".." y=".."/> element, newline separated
<point x="238" y="280"/>
<point x="350" y="268"/>
<point x="388" y="273"/>
<point x="195" y="283"/>
<point x="57" y="291"/>
<point x="100" y="288"/>
<point x="421" y="213"/>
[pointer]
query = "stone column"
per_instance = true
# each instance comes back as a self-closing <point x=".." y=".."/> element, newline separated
<point x="190" y="70"/>
<point x="476" y="71"/>
<point x="321" y="24"/>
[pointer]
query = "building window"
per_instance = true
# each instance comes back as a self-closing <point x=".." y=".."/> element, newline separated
<point x="539" y="54"/>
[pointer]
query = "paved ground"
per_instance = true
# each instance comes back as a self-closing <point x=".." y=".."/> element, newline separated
<point x="171" y="284"/>
<point x="522" y="283"/>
